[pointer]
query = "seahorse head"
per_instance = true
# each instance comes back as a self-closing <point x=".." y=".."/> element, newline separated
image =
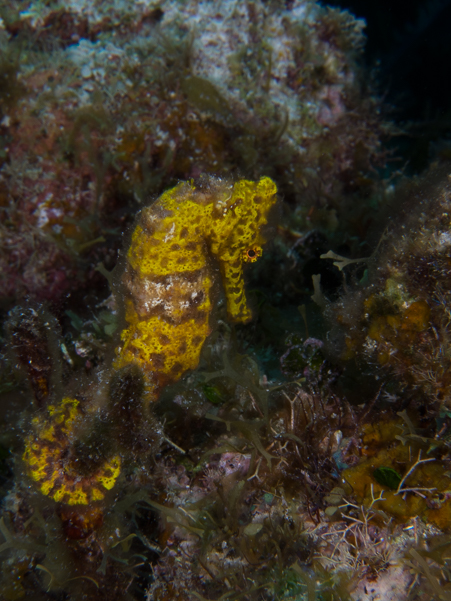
<point x="237" y="236"/>
<point x="241" y="212"/>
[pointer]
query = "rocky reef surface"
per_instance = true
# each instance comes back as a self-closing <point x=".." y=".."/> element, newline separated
<point x="105" y="104"/>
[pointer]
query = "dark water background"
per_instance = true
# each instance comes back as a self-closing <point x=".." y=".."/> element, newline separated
<point x="409" y="46"/>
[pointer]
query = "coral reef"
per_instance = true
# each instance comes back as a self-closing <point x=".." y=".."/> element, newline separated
<point x="105" y="106"/>
<point x="399" y="320"/>
<point x="157" y="442"/>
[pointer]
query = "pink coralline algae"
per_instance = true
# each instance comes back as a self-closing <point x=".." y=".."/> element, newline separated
<point x="41" y="236"/>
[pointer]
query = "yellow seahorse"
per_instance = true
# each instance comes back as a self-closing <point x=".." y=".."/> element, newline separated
<point x="176" y="249"/>
<point x="169" y="271"/>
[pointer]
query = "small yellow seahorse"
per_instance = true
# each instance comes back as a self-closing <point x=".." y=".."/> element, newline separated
<point x="169" y="271"/>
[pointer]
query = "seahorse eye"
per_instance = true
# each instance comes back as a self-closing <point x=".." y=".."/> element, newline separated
<point x="252" y="254"/>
